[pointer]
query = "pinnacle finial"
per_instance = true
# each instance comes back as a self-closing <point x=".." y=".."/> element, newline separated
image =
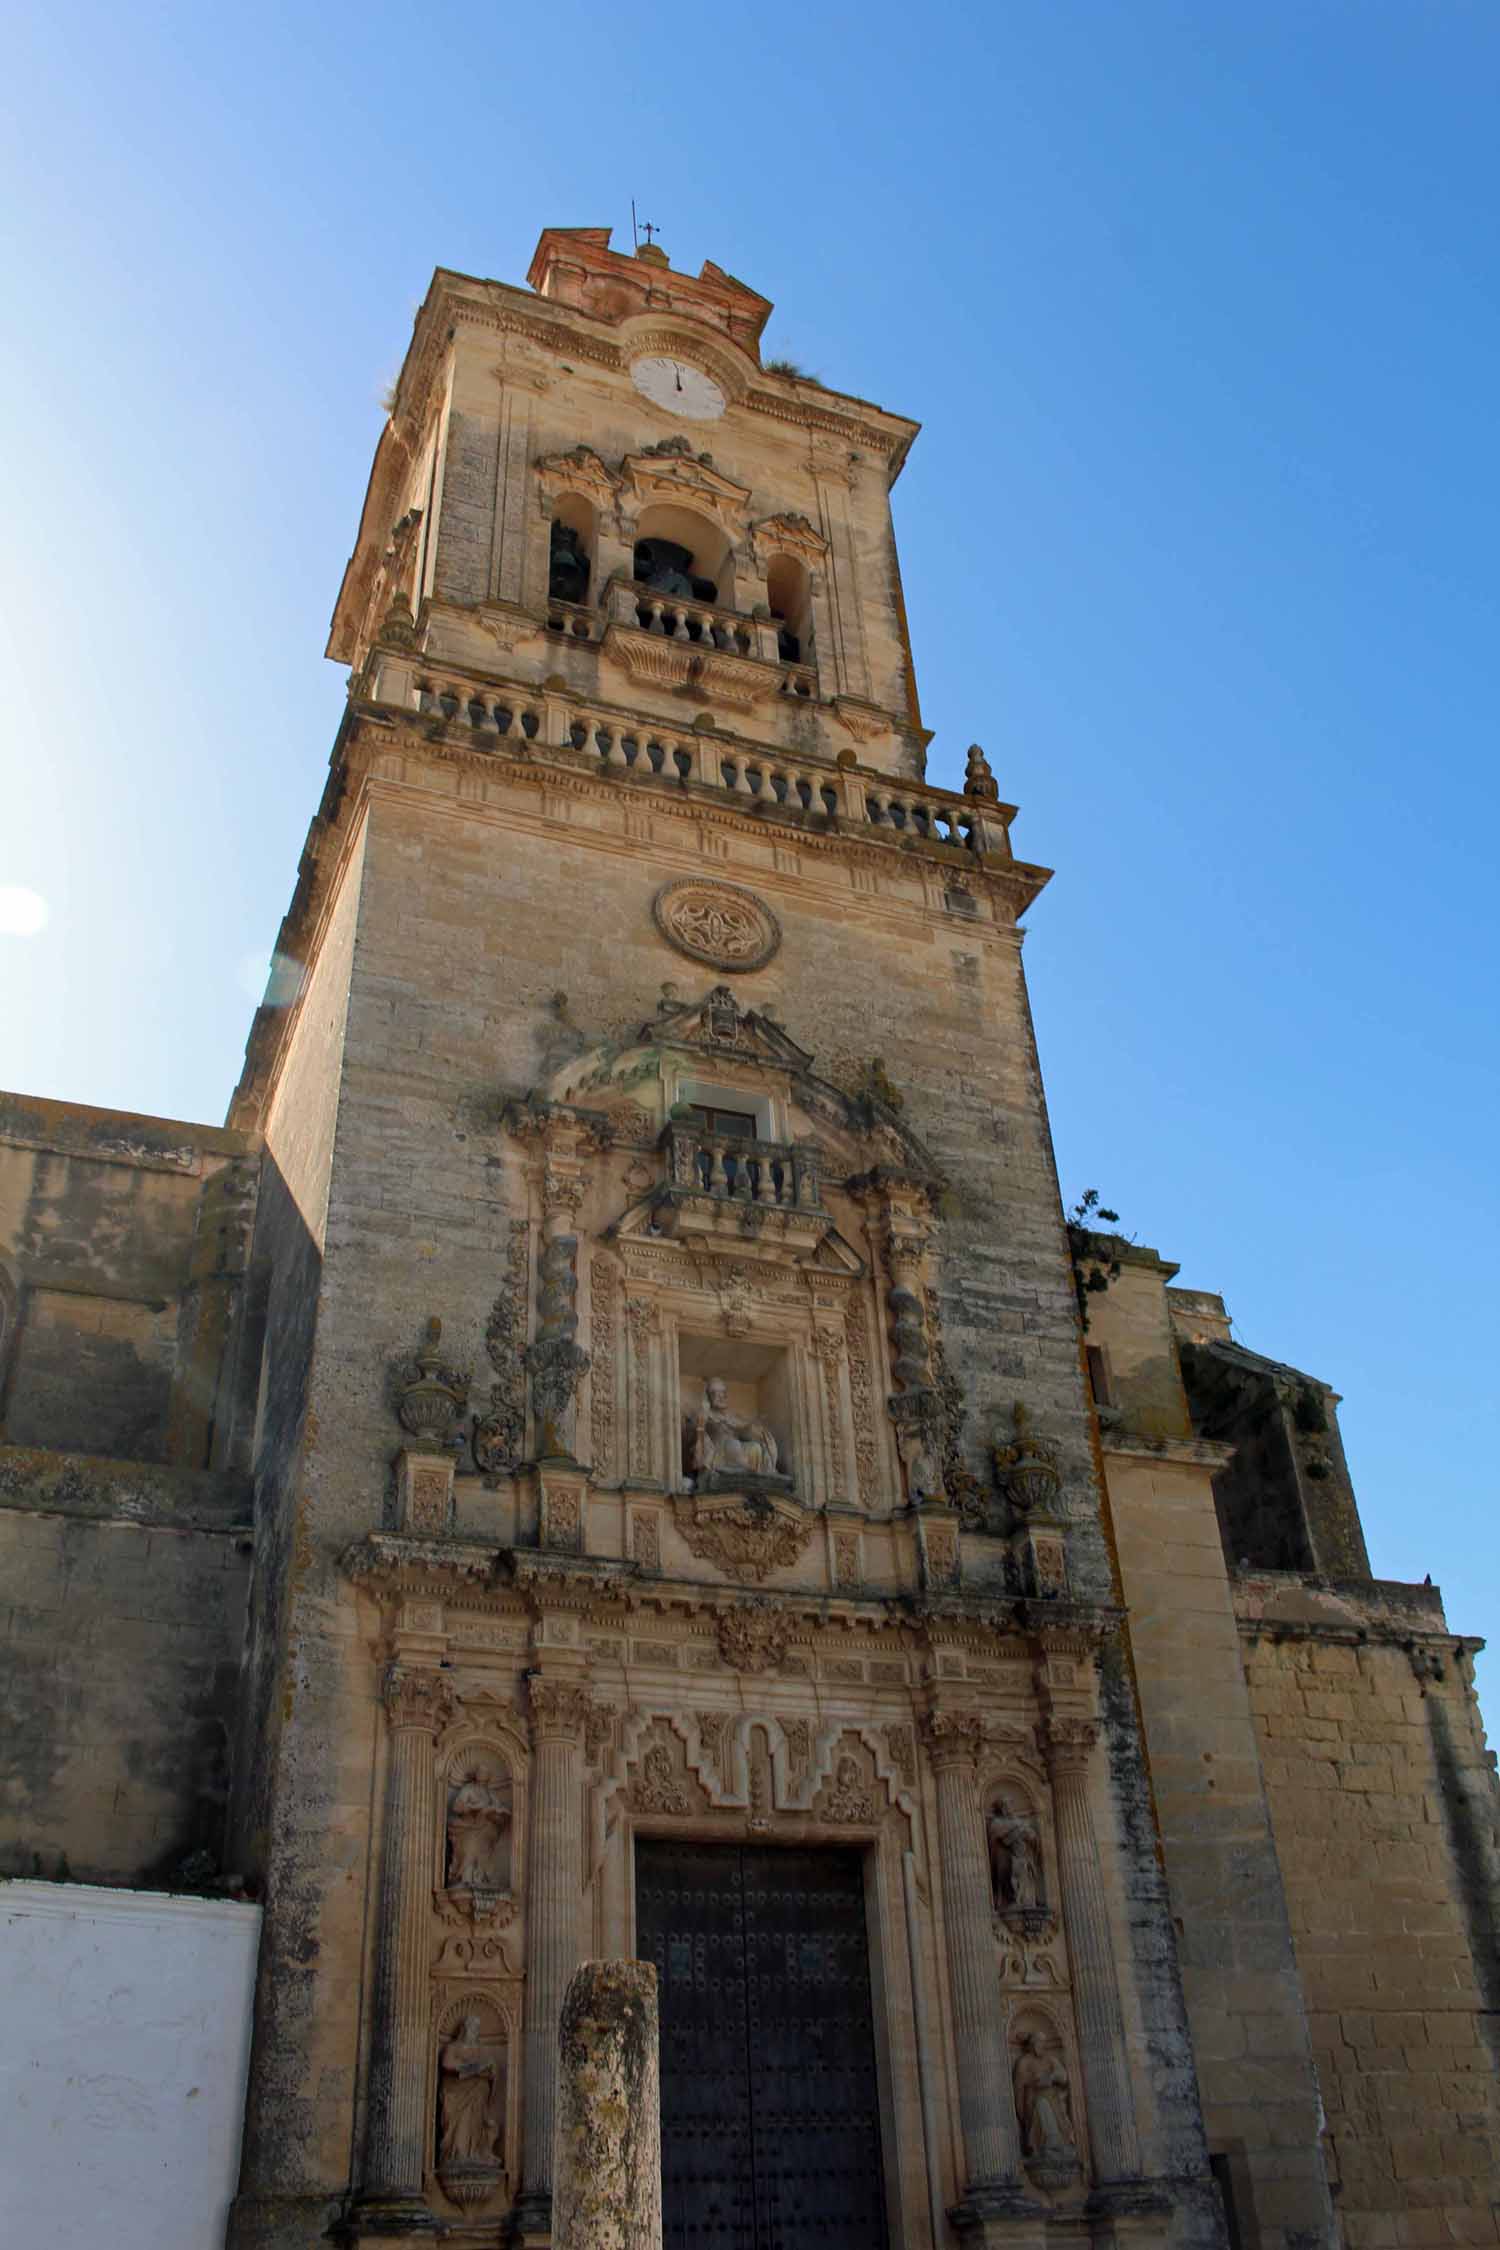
<point x="978" y="779"/>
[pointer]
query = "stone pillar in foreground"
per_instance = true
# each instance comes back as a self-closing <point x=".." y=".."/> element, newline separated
<point x="417" y="1704"/>
<point x="1101" y="2027"/>
<point x="554" y="1887"/>
<point x="606" y="2171"/>
<point x="986" y="2103"/>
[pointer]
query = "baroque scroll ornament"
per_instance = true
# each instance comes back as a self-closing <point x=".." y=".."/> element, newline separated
<point x="718" y="923"/>
<point x="747" y="1537"/>
<point x="753" y="1640"/>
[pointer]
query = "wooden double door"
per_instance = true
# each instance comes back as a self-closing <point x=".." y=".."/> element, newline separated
<point x="769" y="2105"/>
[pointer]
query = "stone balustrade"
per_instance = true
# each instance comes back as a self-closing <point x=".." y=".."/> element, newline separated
<point x="919" y="815"/>
<point x="773" y="1172"/>
<point x="678" y="618"/>
<point x="764" y="777"/>
<point x="573" y="621"/>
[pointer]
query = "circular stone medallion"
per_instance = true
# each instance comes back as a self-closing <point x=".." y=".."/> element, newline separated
<point x="717" y="923"/>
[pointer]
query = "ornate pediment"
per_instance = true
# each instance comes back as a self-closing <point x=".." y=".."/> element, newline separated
<point x="687" y="481"/>
<point x="579" y="471"/>
<point x="788" y="535"/>
<point x="856" y="1138"/>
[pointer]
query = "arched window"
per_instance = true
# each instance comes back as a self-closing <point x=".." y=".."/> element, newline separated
<point x="683" y="556"/>
<point x="788" y="594"/>
<point x="570" y="567"/>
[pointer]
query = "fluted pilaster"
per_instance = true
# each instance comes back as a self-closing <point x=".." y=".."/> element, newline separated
<point x="986" y="2104"/>
<point x="417" y="1704"/>
<point x="560" y="1711"/>
<point x="1096" y="1993"/>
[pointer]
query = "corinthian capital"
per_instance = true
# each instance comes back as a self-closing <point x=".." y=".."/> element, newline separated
<point x="1070" y="1743"/>
<point x="561" y="1710"/>
<point x="422" y="1700"/>
<point x="953" y="1737"/>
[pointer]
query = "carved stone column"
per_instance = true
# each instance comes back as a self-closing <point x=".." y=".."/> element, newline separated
<point x="418" y="1704"/>
<point x="986" y="2104"/>
<point x="1101" y="2028"/>
<point x="609" y="2110"/>
<point x="560" y="1711"/>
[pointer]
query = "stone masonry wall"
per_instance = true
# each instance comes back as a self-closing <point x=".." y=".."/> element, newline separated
<point x="122" y="1620"/>
<point x="1385" y="1811"/>
<point x="126" y="1376"/>
<point x="1250" y="2034"/>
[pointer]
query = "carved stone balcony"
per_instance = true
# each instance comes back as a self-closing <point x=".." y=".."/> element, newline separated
<point x="720" y="1188"/>
<point x="665" y="640"/>
<point x="728" y="1165"/>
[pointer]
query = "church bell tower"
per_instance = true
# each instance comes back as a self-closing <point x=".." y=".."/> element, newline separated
<point x="679" y="1529"/>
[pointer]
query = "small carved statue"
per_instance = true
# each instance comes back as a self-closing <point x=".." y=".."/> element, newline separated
<point x="924" y="1471"/>
<point x="568" y="568"/>
<point x="724" y="1443"/>
<point x="1015" y="1860"/>
<point x="478" y="1820"/>
<point x="1043" y="2110"/>
<point x="469" y="2081"/>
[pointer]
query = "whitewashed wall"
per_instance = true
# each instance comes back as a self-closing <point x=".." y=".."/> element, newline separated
<point x="124" y="2037"/>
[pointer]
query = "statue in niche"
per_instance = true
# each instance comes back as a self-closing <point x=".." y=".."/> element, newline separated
<point x="1043" y="2110"/>
<point x="568" y="566"/>
<point x="1015" y="1860"/>
<point x="470" y="2089"/>
<point x="724" y="1445"/>
<point x="924" y="1471"/>
<point x="478" y="1826"/>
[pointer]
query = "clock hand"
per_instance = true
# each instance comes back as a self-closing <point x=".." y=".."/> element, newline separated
<point x="677" y="371"/>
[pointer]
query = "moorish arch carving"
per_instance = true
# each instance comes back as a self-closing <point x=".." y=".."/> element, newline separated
<point x="840" y="1773"/>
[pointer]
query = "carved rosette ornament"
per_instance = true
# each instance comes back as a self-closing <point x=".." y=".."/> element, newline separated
<point x="717" y="923"/>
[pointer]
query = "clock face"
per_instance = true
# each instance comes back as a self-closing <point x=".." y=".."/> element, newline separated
<point x="679" y="387"/>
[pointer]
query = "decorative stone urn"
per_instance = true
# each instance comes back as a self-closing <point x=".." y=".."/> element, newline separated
<point x="430" y="1402"/>
<point x="1026" y="1470"/>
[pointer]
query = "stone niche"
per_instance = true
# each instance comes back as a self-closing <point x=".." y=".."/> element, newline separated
<point x="739" y="1416"/>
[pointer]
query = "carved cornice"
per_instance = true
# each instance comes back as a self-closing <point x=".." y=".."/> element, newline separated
<point x="558" y="769"/>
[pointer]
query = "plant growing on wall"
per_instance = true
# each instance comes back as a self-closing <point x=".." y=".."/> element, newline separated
<point x="1096" y="1261"/>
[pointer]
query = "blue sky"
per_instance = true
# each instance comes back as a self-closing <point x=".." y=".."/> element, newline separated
<point x="1197" y="304"/>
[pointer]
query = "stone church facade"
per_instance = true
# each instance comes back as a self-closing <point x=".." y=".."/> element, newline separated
<point x="614" y="1448"/>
